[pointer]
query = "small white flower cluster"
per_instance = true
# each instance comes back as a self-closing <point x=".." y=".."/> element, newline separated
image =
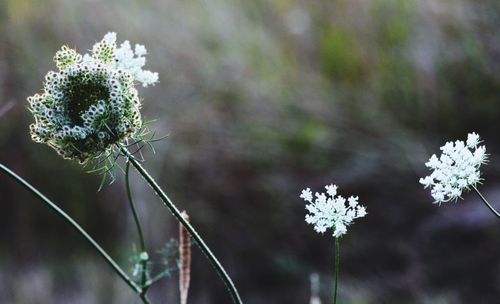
<point x="456" y="170"/>
<point x="131" y="60"/>
<point x="91" y="102"/>
<point x="328" y="210"/>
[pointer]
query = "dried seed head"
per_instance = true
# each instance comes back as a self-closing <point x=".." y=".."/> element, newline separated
<point x="90" y="103"/>
<point x="184" y="260"/>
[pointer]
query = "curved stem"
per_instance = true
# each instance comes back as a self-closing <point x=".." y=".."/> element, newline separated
<point x="75" y="225"/>
<point x="337" y="266"/>
<point x="144" y="298"/>
<point x="486" y="202"/>
<point x="196" y="237"/>
<point x="139" y="229"/>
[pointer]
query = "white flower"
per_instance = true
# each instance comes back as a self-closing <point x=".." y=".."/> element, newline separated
<point x="123" y="58"/>
<point x="140" y="50"/>
<point x="133" y="61"/>
<point x="456" y="170"/>
<point x="331" y="190"/>
<point x="329" y="210"/>
<point x="306" y="195"/>
<point x="110" y="38"/>
<point x="473" y="140"/>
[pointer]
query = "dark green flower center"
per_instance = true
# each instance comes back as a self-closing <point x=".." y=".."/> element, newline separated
<point x="82" y="91"/>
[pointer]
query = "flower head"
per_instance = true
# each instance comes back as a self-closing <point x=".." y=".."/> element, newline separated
<point x="329" y="210"/>
<point x="456" y="169"/>
<point x="91" y="102"/>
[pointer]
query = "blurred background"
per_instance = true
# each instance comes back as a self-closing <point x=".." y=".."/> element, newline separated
<point x="261" y="99"/>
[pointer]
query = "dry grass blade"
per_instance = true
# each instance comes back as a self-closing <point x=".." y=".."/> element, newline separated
<point x="184" y="260"/>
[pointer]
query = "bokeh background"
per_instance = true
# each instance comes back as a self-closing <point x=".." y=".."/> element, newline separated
<point x="261" y="99"/>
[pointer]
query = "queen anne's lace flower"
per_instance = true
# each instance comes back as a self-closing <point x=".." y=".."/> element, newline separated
<point x="456" y="170"/>
<point x="329" y="210"/>
<point x="90" y="103"/>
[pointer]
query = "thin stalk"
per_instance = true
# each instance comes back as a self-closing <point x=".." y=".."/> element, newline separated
<point x="196" y="237"/>
<point x="337" y="266"/>
<point x="139" y="232"/>
<point x="75" y="225"/>
<point x="486" y="202"/>
<point x="144" y="298"/>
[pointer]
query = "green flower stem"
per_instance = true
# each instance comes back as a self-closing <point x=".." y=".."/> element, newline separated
<point x="139" y="232"/>
<point x="486" y="202"/>
<point x="75" y="225"/>
<point x="337" y="266"/>
<point x="144" y="298"/>
<point x="135" y="215"/>
<point x="196" y="237"/>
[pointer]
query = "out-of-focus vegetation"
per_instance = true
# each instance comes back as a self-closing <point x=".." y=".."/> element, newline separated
<point x="260" y="99"/>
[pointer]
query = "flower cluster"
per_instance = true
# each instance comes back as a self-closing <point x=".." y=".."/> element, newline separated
<point x="328" y="210"/>
<point x="91" y="102"/>
<point x="456" y="170"/>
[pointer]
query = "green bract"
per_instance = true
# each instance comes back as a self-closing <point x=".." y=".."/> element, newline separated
<point x="87" y="106"/>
